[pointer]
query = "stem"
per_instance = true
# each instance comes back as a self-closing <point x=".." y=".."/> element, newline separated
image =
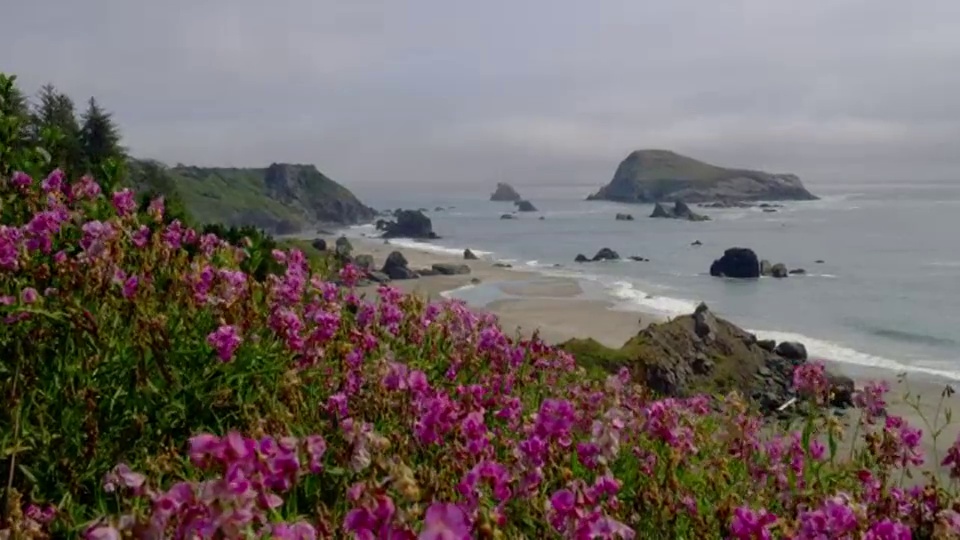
<point x="16" y="445"/>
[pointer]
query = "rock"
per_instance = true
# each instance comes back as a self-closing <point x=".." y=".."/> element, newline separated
<point x="343" y="247"/>
<point x="769" y="210"/>
<point x="363" y="261"/>
<point x="319" y="244"/>
<point x="798" y="271"/>
<point x="378" y="277"/>
<point x="508" y="216"/>
<point x="638" y="258"/>
<point x="726" y="204"/>
<point x="439" y="209"/>
<point x="525" y="206"/>
<point x="502" y="265"/>
<point x="704" y="323"/>
<point x="778" y="270"/>
<point x="450" y="269"/>
<point x="818" y="261"/>
<point x="409" y="224"/>
<point x="606" y="254"/>
<point x="475" y="281"/>
<point x="842" y="390"/>
<point x="648" y="176"/>
<point x="791" y="350"/>
<point x="680" y="211"/>
<point x="581" y="258"/>
<point x="469" y="255"/>
<point x="696" y="243"/>
<point x="624" y="217"/>
<point x="542" y="218"/>
<point x="765" y="267"/>
<point x="768" y="345"/>
<point x="738" y="263"/>
<point x="396" y="267"/>
<point x="427" y="272"/>
<point x="505" y="193"/>
<point x="660" y="212"/>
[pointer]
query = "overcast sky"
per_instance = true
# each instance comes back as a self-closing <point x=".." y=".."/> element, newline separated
<point x="548" y="91"/>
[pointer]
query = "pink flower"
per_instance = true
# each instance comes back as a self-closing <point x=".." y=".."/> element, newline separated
<point x="123" y="202"/>
<point x="225" y="340"/>
<point x="21" y="179"/>
<point x="445" y="521"/>
<point x="811" y="379"/>
<point x="122" y="476"/>
<point x="53" y="182"/>
<point x="130" y="286"/>
<point x="29" y="295"/>
<point x="156" y="208"/>
<point x="748" y="524"/>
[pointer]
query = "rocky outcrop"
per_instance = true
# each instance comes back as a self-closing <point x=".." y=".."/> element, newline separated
<point x="525" y="206"/>
<point x="469" y="255"/>
<point x="680" y="210"/>
<point x="581" y="258"/>
<point x="606" y="254"/>
<point x="408" y="224"/>
<point x="343" y="247"/>
<point x="397" y="267"/>
<point x="319" y="244"/>
<point x="702" y="353"/>
<point x="364" y="261"/>
<point x="778" y="270"/>
<point x="319" y="198"/>
<point x="624" y="217"/>
<point x="505" y="193"/>
<point x="648" y="176"/>
<point x="736" y="263"/>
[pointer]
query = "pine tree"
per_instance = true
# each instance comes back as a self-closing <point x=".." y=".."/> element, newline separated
<point x="54" y="122"/>
<point x="100" y="140"/>
<point x="17" y="150"/>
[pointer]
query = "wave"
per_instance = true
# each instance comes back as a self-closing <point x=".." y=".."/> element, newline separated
<point x="434" y="248"/>
<point x="827" y="350"/>
<point x="911" y="337"/>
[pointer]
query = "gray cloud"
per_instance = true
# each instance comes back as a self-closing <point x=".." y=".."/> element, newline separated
<point x="434" y="91"/>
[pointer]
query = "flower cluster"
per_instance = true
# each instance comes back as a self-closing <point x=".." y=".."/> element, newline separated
<point x="164" y="392"/>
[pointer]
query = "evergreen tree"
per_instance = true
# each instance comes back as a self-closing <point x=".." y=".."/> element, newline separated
<point x="17" y="149"/>
<point x="100" y="141"/>
<point x="54" y="119"/>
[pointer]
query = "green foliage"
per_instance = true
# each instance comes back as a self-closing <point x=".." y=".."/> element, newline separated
<point x="55" y="116"/>
<point x="19" y="150"/>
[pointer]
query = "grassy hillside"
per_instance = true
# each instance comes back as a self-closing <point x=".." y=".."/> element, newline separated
<point x="280" y="198"/>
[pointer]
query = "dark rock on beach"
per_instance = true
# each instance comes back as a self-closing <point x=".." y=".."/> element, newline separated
<point x="396" y="267"/>
<point x="779" y="270"/>
<point x="363" y="261"/>
<point x="792" y="350"/>
<point x="319" y="244"/>
<point x="409" y="224"/>
<point x="736" y="262"/>
<point x="508" y="216"/>
<point x="624" y="217"/>
<point x="469" y="255"/>
<point x="451" y="269"/>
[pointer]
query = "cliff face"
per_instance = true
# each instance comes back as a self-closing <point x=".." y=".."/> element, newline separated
<point x="647" y="176"/>
<point x="282" y="198"/>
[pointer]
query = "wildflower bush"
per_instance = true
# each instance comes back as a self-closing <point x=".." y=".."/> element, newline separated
<point x="155" y="387"/>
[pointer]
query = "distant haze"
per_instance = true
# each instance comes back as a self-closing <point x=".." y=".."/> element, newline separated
<point x="532" y="91"/>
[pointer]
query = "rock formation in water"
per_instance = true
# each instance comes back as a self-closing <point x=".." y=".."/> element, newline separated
<point x="648" y="176"/>
<point x="505" y="193"/>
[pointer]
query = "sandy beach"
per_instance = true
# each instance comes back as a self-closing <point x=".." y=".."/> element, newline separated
<point x="526" y="301"/>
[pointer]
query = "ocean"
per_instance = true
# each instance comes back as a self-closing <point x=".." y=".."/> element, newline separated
<point x="887" y="295"/>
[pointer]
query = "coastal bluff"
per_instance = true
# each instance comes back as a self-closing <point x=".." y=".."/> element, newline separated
<point x="651" y="176"/>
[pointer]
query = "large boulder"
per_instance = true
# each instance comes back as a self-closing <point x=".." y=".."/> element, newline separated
<point x="319" y="244"/>
<point x="647" y="176"/>
<point x="792" y="350"/>
<point x="505" y="193"/>
<point x="779" y="270"/>
<point x="606" y="254"/>
<point x="765" y="267"/>
<point x="343" y="247"/>
<point x="396" y="267"/>
<point x="469" y="255"/>
<point x="525" y="206"/>
<point x="581" y="258"/>
<point x="409" y="224"/>
<point x="364" y="261"/>
<point x="738" y="263"/>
